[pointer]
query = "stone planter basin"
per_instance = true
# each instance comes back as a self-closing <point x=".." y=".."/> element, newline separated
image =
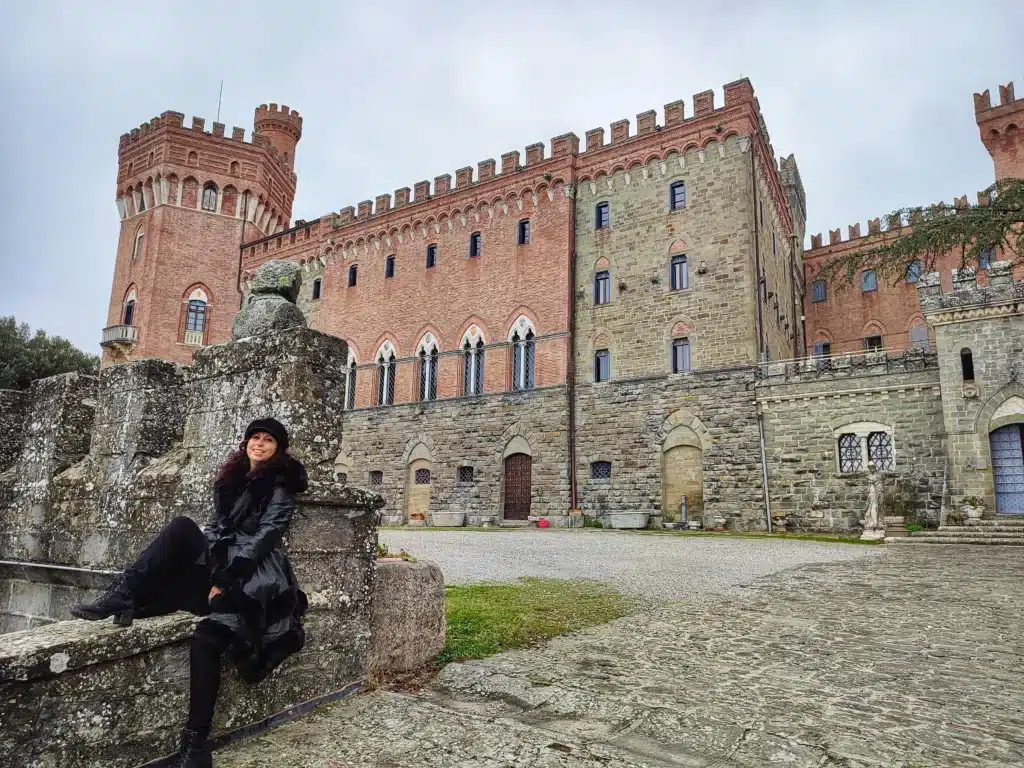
<point x="628" y="520"/>
<point x="448" y="519"/>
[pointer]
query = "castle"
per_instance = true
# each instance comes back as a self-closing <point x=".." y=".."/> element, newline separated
<point x="631" y="328"/>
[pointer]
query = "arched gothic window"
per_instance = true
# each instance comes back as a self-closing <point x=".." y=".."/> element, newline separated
<point x="523" y="349"/>
<point x="196" y="320"/>
<point x="209" y="198"/>
<point x="386" y="369"/>
<point x="129" y="310"/>
<point x="473" y="367"/>
<point x="428" y="368"/>
<point x="350" y="383"/>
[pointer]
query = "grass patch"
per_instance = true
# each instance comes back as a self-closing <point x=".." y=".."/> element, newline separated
<point x="485" y="619"/>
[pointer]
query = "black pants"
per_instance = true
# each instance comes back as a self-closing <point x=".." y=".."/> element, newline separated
<point x="173" y="574"/>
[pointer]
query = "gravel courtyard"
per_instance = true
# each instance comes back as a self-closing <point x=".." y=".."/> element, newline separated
<point x="664" y="567"/>
<point x="882" y="657"/>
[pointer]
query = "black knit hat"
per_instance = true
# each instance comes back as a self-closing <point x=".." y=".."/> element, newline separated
<point x="272" y="427"/>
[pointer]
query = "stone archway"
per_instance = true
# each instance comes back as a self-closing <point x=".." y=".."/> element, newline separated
<point x="682" y="474"/>
<point x="418" y="481"/>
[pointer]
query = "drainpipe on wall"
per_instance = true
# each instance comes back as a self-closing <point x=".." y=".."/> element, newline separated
<point x="760" y="330"/>
<point x="570" y="370"/>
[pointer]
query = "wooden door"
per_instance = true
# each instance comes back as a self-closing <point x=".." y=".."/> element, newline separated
<point x="1008" y="468"/>
<point x="518" y="471"/>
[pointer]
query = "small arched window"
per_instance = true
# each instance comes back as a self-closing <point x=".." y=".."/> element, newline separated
<point x="386" y="369"/>
<point x="137" y="248"/>
<point x="602" y="366"/>
<point x="141" y="198"/>
<point x="129" y="311"/>
<point x="234" y="168"/>
<point x="353" y="275"/>
<point x="967" y="364"/>
<point x="209" y="198"/>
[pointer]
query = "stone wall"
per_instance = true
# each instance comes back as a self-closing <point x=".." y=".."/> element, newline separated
<point x="806" y="405"/>
<point x="58" y="681"/>
<point x="466" y="432"/>
<point x="628" y="422"/>
<point x="13" y="407"/>
<point x="32" y="595"/>
<point x="714" y="231"/>
<point x="988" y="322"/>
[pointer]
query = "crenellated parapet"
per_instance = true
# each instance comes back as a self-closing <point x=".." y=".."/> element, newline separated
<point x="968" y="299"/>
<point x="890" y="223"/>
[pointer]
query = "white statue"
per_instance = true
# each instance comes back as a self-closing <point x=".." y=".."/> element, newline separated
<point x="874" y="522"/>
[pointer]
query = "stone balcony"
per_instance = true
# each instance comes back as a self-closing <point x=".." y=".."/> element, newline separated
<point x="117" y="335"/>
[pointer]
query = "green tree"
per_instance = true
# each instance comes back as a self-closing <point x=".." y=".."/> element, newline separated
<point x="924" y="235"/>
<point x="25" y="357"/>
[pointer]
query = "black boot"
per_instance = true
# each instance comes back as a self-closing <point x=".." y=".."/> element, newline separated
<point x="193" y="752"/>
<point x="117" y="600"/>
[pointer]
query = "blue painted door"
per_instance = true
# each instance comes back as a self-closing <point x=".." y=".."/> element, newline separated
<point x="1008" y="469"/>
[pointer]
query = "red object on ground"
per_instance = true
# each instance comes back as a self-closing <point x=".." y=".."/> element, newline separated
<point x="543" y="523"/>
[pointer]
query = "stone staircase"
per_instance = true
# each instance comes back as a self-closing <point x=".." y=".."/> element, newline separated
<point x="1006" y="530"/>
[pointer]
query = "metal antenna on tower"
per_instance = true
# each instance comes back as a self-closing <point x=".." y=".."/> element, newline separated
<point x="220" y="98"/>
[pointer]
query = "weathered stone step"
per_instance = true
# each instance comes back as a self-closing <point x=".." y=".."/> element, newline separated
<point x="1016" y="530"/>
<point x="979" y="540"/>
<point x="1015" y="522"/>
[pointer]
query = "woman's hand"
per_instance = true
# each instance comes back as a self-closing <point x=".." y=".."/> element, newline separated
<point x="214" y="592"/>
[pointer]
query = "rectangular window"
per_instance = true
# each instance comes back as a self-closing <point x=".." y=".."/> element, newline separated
<point x="868" y="281"/>
<point x="873" y="343"/>
<point x="474" y="245"/>
<point x="601" y="216"/>
<point x="918" y="338"/>
<point x="431" y="256"/>
<point x="523" y="234"/>
<point x="376" y="477"/>
<point x="353" y="275"/>
<point x="985" y="258"/>
<point x="602" y="366"/>
<point x="196" y="319"/>
<point x="850" y="459"/>
<point x="819" y="291"/>
<point x="679" y="274"/>
<point x="914" y="272"/>
<point x="389" y="267"/>
<point x="680" y="355"/>
<point x="602" y="288"/>
<point x="465" y="474"/>
<point x="601" y="470"/>
<point x="677" y="196"/>
<point x="317" y="285"/>
<point x="822" y="348"/>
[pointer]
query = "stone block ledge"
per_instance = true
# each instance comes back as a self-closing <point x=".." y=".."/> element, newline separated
<point x="69" y="645"/>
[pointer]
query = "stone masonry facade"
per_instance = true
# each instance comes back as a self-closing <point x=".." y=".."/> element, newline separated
<point x="529" y="307"/>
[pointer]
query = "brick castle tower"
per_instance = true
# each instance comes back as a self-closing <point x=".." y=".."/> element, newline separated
<point x="187" y="199"/>
<point x="1000" y="128"/>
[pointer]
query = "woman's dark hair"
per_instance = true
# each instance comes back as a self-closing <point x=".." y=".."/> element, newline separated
<point x="237" y="467"/>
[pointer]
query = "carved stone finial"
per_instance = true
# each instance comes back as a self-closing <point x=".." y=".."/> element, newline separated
<point x="271" y="306"/>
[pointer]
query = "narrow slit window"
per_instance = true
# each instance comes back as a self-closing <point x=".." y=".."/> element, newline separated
<point x="317" y="287"/>
<point x="353" y="275"/>
<point x="389" y="267"/>
<point x="431" y="256"/>
<point x="523" y="234"/>
<point x="967" y="364"/>
<point x="602" y="288"/>
<point x="679" y="273"/>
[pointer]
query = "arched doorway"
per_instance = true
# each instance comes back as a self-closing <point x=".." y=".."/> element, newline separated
<point x="418" y="480"/>
<point x="682" y="474"/>
<point x="518" y="486"/>
<point x="1007" y="449"/>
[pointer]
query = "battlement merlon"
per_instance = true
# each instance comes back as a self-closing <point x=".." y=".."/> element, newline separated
<point x="983" y="109"/>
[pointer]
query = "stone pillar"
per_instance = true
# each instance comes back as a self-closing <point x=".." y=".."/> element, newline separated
<point x="56" y="435"/>
<point x="103" y="505"/>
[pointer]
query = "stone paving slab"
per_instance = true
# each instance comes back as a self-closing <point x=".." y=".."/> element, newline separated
<point x="909" y="659"/>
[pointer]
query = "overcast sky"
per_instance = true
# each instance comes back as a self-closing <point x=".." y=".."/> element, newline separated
<point x="874" y="99"/>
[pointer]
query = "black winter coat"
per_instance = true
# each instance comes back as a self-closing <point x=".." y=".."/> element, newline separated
<point x="262" y="606"/>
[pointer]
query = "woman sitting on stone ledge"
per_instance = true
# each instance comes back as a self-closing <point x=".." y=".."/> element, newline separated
<point x="234" y="573"/>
